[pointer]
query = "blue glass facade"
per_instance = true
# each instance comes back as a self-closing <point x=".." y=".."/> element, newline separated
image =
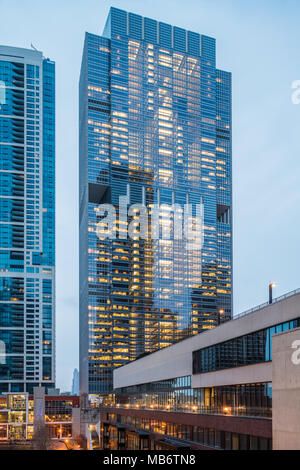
<point x="27" y="220"/>
<point x="155" y="125"/>
<point x="253" y="348"/>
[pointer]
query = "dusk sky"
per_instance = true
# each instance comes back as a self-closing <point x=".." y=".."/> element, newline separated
<point x="258" y="41"/>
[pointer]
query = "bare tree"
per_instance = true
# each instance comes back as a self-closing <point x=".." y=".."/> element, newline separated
<point x="41" y="438"/>
<point x="81" y="440"/>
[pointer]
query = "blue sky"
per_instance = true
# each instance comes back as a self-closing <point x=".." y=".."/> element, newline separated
<point x="258" y="41"/>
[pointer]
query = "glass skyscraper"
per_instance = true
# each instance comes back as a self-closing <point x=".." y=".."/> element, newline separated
<point x="155" y="126"/>
<point x="27" y="220"/>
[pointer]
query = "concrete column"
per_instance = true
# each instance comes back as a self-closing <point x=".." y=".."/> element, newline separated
<point x="286" y="390"/>
<point x="75" y="422"/>
<point x="39" y="405"/>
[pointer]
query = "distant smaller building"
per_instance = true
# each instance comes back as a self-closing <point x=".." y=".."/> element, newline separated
<point x="75" y="382"/>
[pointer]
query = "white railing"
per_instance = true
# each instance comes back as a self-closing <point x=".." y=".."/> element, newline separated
<point x="266" y="304"/>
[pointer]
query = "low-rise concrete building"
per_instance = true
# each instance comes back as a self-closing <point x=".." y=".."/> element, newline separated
<point x="213" y="390"/>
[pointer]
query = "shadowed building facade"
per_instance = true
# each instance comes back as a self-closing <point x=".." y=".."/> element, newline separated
<point x="155" y="126"/>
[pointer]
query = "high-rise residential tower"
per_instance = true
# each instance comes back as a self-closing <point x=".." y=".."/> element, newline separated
<point x="27" y="220"/>
<point x="155" y="128"/>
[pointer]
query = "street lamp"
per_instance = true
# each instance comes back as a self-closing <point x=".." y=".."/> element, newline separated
<point x="271" y="286"/>
<point x="221" y="315"/>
